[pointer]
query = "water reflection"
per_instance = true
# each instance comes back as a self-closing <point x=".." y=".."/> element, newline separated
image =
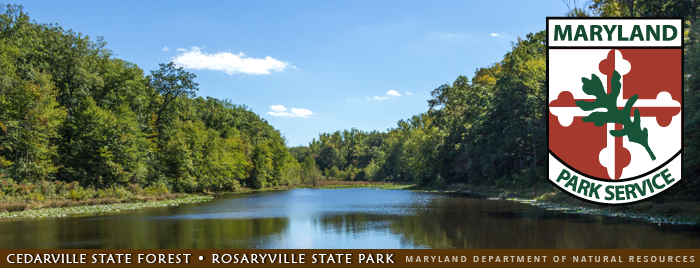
<point x="347" y="218"/>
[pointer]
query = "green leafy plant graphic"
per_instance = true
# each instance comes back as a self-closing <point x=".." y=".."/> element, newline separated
<point x="631" y="129"/>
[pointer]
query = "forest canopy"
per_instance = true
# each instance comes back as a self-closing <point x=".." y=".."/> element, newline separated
<point x="71" y="111"/>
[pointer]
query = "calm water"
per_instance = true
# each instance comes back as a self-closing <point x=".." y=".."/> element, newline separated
<point x="347" y="218"/>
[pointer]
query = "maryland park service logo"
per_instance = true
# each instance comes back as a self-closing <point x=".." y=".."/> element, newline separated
<point x="615" y="95"/>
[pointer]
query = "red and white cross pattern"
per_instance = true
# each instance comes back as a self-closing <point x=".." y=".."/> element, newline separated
<point x="653" y="74"/>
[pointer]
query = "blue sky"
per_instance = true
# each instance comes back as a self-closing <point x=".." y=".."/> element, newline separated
<point x="313" y="66"/>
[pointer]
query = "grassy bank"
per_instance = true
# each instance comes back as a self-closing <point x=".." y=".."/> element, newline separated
<point x="22" y="205"/>
<point x="88" y="207"/>
<point x="19" y="197"/>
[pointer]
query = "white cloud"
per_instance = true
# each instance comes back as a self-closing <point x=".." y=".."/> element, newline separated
<point x="182" y="49"/>
<point x="165" y="49"/>
<point x="228" y="62"/>
<point x="409" y="93"/>
<point x="495" y="34"/>
<point x="393" y="93"/>
<point x="449" y="36"/>
<point x="280" y="110"/>
<point x="389" y="94"/>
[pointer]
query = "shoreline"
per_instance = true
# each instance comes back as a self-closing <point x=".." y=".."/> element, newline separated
<point x="94" y="209"/>
<point x="53" y="208"/>
<point x="676" y="213"/>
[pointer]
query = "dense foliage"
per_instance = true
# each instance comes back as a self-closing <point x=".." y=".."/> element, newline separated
<point x="492" y="130"/>
<point x="71" y="111"/>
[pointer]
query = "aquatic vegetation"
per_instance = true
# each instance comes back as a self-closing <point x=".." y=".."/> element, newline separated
<point x="666" y="219"/>
<point x="97" y="209"/>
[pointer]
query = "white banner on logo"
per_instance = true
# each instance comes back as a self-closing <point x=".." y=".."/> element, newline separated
<point x="613" y="191"/>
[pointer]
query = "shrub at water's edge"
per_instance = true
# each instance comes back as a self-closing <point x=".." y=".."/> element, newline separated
<point x="46" y="194"/>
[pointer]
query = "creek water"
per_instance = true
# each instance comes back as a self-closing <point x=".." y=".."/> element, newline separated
<point x="345" y="218"/>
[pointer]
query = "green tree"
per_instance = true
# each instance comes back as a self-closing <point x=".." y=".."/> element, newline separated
<point x="310" y="172"/>
<point x="104" y="149"/>
<point x="263" y="168"/>
<point x="29" y="122"/>
<point x="171" y="82"/>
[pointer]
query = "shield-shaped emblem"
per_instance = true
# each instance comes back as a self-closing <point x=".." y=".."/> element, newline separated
<point x="615" y="95"/>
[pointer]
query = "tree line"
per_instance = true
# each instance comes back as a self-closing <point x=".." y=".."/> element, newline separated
<point x="491" y="130"/>
<point x="71" y="111"/>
